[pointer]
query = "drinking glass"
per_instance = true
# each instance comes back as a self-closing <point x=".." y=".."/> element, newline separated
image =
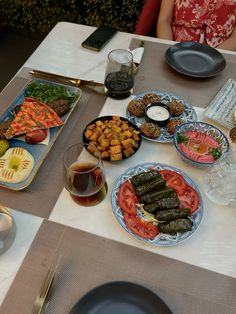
<point x="84" y="175"/>
<point x="7" y="229"/>
<point x="119" y="77"/>
<point x="220" y="181"/>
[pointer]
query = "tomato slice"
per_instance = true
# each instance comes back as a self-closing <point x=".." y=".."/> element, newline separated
<point x="167" y="174"/>
<point x="189" y="199"/>
<point x="177" y="183"/>
<point x="174" y="180"/>
<point x="145" y="230"/>
<point x="127" y="198"/>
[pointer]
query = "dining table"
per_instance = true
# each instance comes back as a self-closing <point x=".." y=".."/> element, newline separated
<point x="87" y="245"/>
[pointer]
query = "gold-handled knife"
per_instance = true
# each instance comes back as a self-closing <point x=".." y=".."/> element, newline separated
<point x="95" y="86"/>
<point x="71" y="80"/>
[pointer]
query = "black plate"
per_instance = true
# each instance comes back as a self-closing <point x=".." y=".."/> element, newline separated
<point x="195" y="59"/>
<point x="104" y="118"/>
<point x="120" y="298"/>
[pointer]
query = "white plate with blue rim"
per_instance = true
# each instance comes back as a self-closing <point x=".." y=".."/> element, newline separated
<point x="162" y="239"/>
<point x="188" y="115"/>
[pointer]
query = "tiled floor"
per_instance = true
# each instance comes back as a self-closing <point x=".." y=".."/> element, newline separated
<point x="15" y="49"/>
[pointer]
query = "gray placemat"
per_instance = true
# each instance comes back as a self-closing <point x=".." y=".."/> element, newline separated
<point x="88" y="261"/>
<point x="155" y="74"/>
<point x="41" y="195"/>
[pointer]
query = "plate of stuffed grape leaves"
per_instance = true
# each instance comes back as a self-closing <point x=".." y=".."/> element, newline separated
<point x="157" y="203"/>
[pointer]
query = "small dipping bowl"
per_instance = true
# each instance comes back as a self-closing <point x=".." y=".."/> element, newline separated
<point x="157" y="113"/>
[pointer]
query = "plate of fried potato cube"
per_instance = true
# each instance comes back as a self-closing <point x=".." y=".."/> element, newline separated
<point x="115" y="137"/>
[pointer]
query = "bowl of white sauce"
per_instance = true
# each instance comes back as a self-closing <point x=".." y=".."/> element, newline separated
<point x="158" y="113"/>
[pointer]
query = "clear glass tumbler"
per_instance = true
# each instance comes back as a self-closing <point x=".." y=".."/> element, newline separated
<point x="119" y="77"/>
<point x="220" y="181"/>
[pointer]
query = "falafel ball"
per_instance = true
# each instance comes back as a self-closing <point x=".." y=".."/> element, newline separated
<point x="173" y="124"/>
<point x="176" y="107"/>
<point x="150" y="130"/>
<point x="136" y="107"/>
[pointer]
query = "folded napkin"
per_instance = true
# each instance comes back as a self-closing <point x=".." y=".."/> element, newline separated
<point x="137" y="55"/>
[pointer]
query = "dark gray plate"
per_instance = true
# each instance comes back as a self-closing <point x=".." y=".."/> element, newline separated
<point x="120" y="297"/>
<point x="195" y="59"/>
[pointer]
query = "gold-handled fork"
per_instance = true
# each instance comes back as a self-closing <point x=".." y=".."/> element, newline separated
<point x="40" y="303"/>
<point x="42" y="299"/>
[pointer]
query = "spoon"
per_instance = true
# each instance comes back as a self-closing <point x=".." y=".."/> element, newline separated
<point x="7" y="229"/>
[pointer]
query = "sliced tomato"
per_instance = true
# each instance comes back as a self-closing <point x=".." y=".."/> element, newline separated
<point x="127" y="198"/>
<point x="177" y="183"/>
<point x="145" y="230"/>
<point x="189" y="199"/>
<point x="174" y="180"/>
<point x="167" y="174"/>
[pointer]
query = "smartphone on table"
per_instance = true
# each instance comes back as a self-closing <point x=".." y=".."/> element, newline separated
<point x="99" y="38"/>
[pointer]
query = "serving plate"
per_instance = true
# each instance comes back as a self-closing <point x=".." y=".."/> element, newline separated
<point x="195" y="59"/>
<point x="38" y="151"/>
<point x="120" y="297"/>
<point x="161" y="239"/>
<point x="109" y="118"/>
<point x="221" y="109"/>
<point x="187" y="116"/>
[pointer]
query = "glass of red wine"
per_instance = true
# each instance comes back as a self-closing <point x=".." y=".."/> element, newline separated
<point x="84" y="175"/>
<point x="119" y="77"/>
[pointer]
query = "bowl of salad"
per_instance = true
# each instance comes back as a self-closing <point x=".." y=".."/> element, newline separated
<point x="200" y="144"/>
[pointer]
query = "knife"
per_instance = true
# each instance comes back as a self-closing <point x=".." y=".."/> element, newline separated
<point x="65" y="79"/>
<point x="95" y="86"/>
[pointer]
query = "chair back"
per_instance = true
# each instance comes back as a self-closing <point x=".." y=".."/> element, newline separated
<point x="147" y="21"/>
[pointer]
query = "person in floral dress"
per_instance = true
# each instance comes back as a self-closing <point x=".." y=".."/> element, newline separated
<point x="211" y="22"/>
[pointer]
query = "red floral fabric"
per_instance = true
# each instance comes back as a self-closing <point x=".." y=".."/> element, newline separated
<point x="206" y="21"/>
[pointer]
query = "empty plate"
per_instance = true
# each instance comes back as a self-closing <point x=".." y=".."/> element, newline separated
<point x="195" y="59"/>
<point x="120" y="297"/>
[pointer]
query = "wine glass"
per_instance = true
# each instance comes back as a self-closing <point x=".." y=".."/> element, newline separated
<point x="119" y="77"/>
<point x="84" y="174"/>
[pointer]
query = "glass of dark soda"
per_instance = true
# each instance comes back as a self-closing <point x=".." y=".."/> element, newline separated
<point x="119" y="77"/>
<point x="84" y="175"/>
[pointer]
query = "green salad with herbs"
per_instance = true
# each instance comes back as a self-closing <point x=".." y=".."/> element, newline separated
<point x="47" y="93"/>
